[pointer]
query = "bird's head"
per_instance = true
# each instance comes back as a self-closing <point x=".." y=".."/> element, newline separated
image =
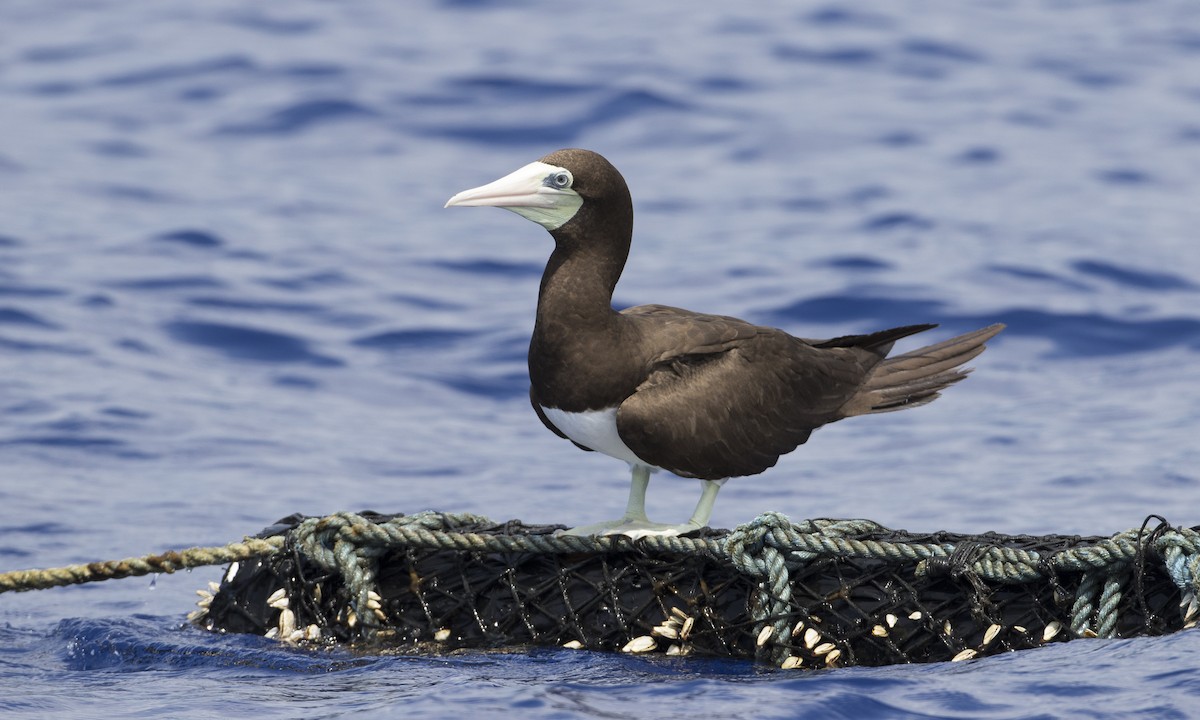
<point x="552" y="190"/>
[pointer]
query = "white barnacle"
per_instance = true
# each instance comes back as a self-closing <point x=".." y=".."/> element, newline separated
<point x="640" y="644"/>
<point x="799" y="628"/>
<point x="891" y="620"/>
<point x="232" y="572"/>
<point x="573" y="645"/>
<point x="442" y="635"/>
<point x="879" y="631"/>
<point x="287" y="623"/>
<point x="276" y="597"/>
<point x="791" y="662"/>
<point x="667" y="631"/>
<point x="1051" y="630"/>
<point x="1192" y="613"/>
<point x="991" y="634"/>
<point x="811" y="638"/>
<point x="764" y="635"/>
<point x="686" y="630"/>
<point x="824" y="648"/>
<point x="832" y="658"/>
<point x="964" y="655"/>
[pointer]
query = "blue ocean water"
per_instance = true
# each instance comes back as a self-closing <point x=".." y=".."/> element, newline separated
<point x="229" y="292"/>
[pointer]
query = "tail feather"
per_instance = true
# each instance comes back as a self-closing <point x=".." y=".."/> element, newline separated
<point x="918" y="377"/>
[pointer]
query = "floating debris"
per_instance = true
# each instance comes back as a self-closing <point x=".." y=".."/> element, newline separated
<point x="685" y="601"/>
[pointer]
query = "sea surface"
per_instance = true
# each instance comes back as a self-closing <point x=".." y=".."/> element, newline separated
<point x="229" y="292"/>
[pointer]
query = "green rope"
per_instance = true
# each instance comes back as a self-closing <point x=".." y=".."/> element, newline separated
<point x="168" y="562"/>
<point x="1110" y="600"/>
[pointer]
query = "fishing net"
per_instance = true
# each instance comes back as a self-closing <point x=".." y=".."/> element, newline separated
<point x="814" y="594"/>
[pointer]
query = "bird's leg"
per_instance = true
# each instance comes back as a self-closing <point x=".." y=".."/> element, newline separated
<point x="635" y="509"/>
<point x="634" y="522"/>
<point x="704" y="508"/>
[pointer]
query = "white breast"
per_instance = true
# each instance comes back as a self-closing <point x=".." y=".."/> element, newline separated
<point x="595" y="429"/>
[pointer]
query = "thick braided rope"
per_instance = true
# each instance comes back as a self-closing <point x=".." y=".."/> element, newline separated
<point x="1085" y="603"/>
<point x="168" y="562"/>
<point x="1110" y="601"/>
<point x="754" y="549"/>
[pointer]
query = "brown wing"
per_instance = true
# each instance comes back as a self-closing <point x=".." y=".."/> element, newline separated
<point x="676" y="332"/>
<point x="734" y="412"/>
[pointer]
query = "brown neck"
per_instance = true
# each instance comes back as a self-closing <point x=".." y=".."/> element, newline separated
<point x="573" y="362"/>
<point x="589" y="255"/>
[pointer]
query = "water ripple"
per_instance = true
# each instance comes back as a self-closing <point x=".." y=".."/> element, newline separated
<point x="192" y="238"/>
<point x="13" y="316"/>
<point x="161" y="73"/>
<point x="301" y="116"/>
<point x="246" y="343"/>
<point x="413" y="339"/>
<point x="1138" y="279"/>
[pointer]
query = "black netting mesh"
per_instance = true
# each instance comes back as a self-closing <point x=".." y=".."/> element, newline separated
<point x="842" y="610"/>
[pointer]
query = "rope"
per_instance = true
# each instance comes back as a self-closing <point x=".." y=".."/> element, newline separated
<point x="168" y="562"/>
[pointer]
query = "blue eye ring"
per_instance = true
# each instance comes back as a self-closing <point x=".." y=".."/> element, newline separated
<point x="560" y="180"/>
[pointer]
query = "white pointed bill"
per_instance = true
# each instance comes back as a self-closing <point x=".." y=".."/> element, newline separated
<point x="526" y="193"/>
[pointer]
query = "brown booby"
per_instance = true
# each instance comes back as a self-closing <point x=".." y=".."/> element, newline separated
<point x="703" y="396"/>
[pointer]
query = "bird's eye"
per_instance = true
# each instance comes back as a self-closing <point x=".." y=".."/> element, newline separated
<point x="561" y="180"/>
